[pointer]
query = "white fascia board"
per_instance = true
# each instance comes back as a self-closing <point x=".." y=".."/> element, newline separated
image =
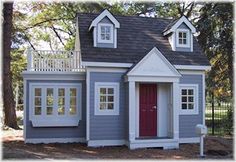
<point x="106" y="64"/>
<point x="101" y="16"/>
<point x="156" y="51"/>
<point x="178" y="23"/>
<point x="192" y="67"/>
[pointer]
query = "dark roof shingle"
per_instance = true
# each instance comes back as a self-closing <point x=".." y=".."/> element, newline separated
<point x="135" y="38"/>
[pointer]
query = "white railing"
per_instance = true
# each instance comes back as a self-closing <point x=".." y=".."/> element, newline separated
<point x="61" y="61"/>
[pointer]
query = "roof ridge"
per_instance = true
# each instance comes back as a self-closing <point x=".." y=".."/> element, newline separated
<point x="87" y="13"/>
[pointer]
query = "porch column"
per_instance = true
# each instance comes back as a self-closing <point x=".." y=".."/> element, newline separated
<point x="176" y="105"/>
<point x="131" y="111"/>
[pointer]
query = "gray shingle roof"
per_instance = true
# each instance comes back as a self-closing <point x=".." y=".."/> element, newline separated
<point x="135" y="38"/>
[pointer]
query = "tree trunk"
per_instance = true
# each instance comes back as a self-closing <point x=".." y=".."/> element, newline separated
<point x="8" y="97"/>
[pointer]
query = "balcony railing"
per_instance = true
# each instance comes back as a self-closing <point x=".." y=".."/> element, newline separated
<point x="60" y="61"/>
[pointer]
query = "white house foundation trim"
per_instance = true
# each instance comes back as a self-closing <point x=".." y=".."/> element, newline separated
<point x="164" y="143"/>
<point x="55" y="140"/>
<point x="101" y="143"/>
<point x="189" y="140"/>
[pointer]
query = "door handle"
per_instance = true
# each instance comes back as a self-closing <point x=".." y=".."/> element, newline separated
<point x="154" y="107"/>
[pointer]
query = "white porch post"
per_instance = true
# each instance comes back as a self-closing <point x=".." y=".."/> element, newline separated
<point x="131" y="111"/>
<point x="176" y="104"/>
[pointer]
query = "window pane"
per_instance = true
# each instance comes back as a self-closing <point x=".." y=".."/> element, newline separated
<point x="72" y="110"/>
<point x="184" y="99"/>
<point x="184" y="106"/>
<point x="190" y="92"/>
<point x="103" y="37"/>
<point x="37" y="101"/>
<point x="61" y="92"/>
<point x="110" y="106"/>
<point x="107" y="36"/>
<point x="180" y="41"/>
<point x="110" y="98"/>
<point x="49" y="110"/>
<point x="110" y="90"/>
<point x="190" y="106"/>
<point x="37" y="91"/>
<point x="184" y="92"/>
<point x="49" y="101"/>
<point x="184" y="35"/>
<point x="180" y="34"/>
<point x="108" y="29"/>
<point x="102" y="98"/>
<point x="102" y="90"/>
<point x="102" y="29"/>
<point x="37" y="111"/>
<point x="190" y="99"/>
<point x="72" y="101"/>
<point x="49" y="91"/>
<point x="61" y="101"/>
<point x="61" y="110"/>
<point x="102" y="106"/>
<point x="184" y="41"/>
<point x="72" y="91"/>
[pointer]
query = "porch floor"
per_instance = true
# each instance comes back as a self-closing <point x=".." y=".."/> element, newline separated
<point x="151" y="137"/>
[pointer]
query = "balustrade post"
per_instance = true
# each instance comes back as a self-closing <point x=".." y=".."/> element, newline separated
<point x="30" y="59"/>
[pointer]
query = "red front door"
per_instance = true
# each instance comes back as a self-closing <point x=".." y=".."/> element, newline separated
<point x="148" y="110"/>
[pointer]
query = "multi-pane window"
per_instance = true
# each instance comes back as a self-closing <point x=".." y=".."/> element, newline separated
<point x="189" y="99"/>
<point x="53" y="102"/>
<point x="182" y="38"/>
<point x="37" y="101"/>
<point x="106" y="98"/>
<point x="105" y="33"/>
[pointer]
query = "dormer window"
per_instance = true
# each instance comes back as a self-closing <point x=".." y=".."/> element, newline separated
<point x="105" y="33"/>
<point x="183" y="38"/>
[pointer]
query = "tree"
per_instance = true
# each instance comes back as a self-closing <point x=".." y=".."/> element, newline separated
<point x="8" y="97"/>
<point x="216" y="39"/>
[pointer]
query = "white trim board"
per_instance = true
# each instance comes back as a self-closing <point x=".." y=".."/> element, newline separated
<point x="106" y="64"/>
<point x="192" y="67"/>
<point x="54" y="140"/>
<point x="183" y="19"/>
<point x="87" y="105"/>
<point x="99" y="143"/>
<point x="107" y="14"/>
<point x="189" y="140"/>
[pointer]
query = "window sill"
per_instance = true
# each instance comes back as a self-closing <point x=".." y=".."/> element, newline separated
<point x="55" y="123"/>
<point x="188" y="112"/>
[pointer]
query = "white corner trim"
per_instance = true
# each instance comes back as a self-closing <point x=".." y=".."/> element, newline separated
<point x="203" y="99"/>
<point x="106" y="64"/>
<point x="188" y="39"/>
<point x="99" y="143"/>
<point x="192" y="67"/>
<point x="115" y="38"/>
<point x="105" y="13"/>
<point x="161" y="56"/>
<point x="189" y="140"/>
<point x="195" y="110"/>
<point x="55" y="140"/>
<point x="95" y="36"/>
<point x="25" y="107"/>
<point x="116" y="87"/>
<point x="87" y="105"/>
<point x="111" y="33"/>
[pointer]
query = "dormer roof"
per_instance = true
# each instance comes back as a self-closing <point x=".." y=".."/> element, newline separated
<point x="104" y="14"/>
<point x="176" y="23"/>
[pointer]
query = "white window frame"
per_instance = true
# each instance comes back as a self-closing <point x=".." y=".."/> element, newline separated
<point x="97" y="87"/>
<point x="187" y="45"/>
<point x="55" y="120"/>
<point x="99" y="33"/>
<point x="195" y="109"/>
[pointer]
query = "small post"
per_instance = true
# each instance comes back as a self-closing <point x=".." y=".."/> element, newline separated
<point x="201" y="130"/>
<point x="30" y="59"/>
<point x="201" y="146"/>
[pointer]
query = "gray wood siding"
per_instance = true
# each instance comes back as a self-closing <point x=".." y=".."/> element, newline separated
<point x="56" y="132"/>
<point x="107" y="127"/>
<point x="187" y="123"/>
